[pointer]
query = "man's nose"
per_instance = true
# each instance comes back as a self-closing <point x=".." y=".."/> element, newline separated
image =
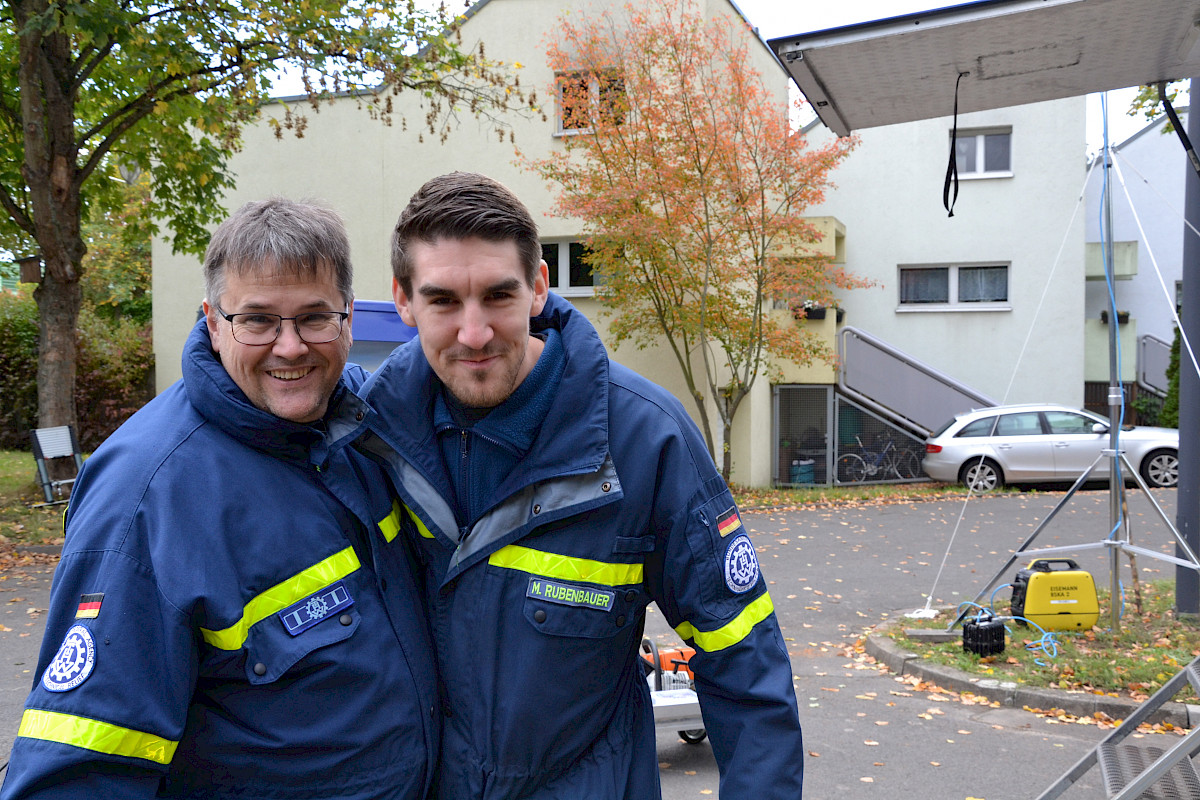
<point x="476" y="329"/>
<point x="289" y="344"/>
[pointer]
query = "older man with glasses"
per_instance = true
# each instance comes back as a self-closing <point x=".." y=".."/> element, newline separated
<point x="234" y="615"/>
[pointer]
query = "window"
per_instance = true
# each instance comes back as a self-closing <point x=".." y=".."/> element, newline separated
<point x="1027" y="423"/>
<point x="1064" y="422"/>
<point x="583" y="94"/>
<point x="954" y="287"/>
<point x="570" y="274"/>
<point x="984" y="154"/>
<point x="980" y="427"/>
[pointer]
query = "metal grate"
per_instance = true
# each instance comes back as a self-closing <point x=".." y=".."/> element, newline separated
<point x="802" y="438"/>
<point x="870" y="450"/>
<point x="1121" y="763"/>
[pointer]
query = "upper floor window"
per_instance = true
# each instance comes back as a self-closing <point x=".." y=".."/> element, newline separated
<point x="570" y="273"/>
<point x="954" y="287"/>
<point x="984" y="153"/>
<point x="582" y="95"/>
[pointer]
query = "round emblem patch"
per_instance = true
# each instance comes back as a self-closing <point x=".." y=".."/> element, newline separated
<point x="741" y="565"/>
<point x="74" y="661"/>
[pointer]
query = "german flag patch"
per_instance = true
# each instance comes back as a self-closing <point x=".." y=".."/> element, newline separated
<point x="728" y="522"/>
<point x="89" y="606"/>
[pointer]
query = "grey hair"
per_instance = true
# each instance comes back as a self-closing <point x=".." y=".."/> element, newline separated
<point x="279" y="235"/>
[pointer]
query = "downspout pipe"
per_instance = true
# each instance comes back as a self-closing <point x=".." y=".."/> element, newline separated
<point x="1187" y="514"/>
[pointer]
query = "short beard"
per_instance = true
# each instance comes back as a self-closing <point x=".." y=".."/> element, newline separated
<point x="478" y="394"/>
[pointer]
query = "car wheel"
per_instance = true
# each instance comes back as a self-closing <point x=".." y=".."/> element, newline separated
<point x="1161" y="469"/>
<point x="693" y="737"/>
<point x="981" y="475"/>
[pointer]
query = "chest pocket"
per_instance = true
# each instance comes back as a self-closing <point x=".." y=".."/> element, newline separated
<point x="571" y="596"/>
<point x="271" y="650"/>
<point x="310" y="610"/>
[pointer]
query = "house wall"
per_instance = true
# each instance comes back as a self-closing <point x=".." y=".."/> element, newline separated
<point x="889" y="197"/>
<point x="367" y="171"/>
<point x="1149" y="169"/>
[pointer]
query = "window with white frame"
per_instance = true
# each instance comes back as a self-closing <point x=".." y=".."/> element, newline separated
<point x="570" y="273"/>
<point x="582" y="95"/>
<point x="984" y="153"/>
<point x="957" y="287"/>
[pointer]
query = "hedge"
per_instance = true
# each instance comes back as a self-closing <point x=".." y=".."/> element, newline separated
<point x="114" y="372"/>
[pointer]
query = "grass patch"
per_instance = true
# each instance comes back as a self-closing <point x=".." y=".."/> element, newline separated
<point x="20" y="523"/>
<point x="1133" y="662"/>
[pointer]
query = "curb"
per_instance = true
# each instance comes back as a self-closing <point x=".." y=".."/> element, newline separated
<point x="1014" y="695"/>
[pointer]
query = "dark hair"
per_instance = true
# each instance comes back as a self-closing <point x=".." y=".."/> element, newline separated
<point x="300" y="238"/>
<point x="462" y="205"/>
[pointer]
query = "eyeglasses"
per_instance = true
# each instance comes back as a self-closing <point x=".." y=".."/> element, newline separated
<point x="315" y="327"/>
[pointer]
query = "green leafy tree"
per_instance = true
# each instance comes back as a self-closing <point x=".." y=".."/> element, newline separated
<point x="117" y="267"/>
<point x="1148" y="103"/>
<point x="1168" y="416"/>
<point x="87" y="86"/>
<point x="692" y="188"/>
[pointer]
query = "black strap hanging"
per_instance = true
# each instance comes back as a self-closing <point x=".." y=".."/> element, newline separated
<point x="1178" y="126"/>
<point x="952" y="168"/>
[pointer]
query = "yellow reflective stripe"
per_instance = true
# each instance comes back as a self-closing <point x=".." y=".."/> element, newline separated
<point x="100" y="737"/>
<point x="389" y="526"/>
<point x="552" y="565"/>
<point x="282" y="595"/>
<point x="732" y="632"/>
<point x="421" y="528"/>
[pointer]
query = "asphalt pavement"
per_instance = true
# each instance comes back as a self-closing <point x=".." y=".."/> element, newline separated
<point x="835" y="574"/>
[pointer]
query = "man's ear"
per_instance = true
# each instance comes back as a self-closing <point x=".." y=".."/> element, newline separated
<point x="541" y="289"/>
<point x="215" y="331"/>
<point x="403" y="305"/>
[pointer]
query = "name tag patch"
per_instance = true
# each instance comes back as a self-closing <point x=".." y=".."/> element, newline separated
<point x="299" y="617"/>
<point x="568" y="595"/>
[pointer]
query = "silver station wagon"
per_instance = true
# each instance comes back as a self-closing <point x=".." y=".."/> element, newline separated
<point x="991" y="447"/>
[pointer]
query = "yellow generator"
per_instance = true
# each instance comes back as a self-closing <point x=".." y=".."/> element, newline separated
<point x="1055" y="594"/>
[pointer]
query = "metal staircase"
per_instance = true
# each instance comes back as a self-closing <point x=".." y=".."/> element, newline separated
<point x="899" y="387"/>
<point x="1151" y="773"/>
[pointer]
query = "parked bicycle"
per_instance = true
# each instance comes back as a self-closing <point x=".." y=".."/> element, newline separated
<point x="885" y="462"/>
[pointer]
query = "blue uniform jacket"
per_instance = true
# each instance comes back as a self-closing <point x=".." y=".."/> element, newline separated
<point x="234" y="615"/>
<point x="538" y="608"/>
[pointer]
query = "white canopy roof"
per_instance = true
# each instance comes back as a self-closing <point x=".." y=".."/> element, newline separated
<point x="1012" y="51"/>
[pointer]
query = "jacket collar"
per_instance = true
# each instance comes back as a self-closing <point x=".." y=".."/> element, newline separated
<point x="215" y="395"/>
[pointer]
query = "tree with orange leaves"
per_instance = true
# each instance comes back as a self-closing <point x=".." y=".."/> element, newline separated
<point x="691" y="184"/>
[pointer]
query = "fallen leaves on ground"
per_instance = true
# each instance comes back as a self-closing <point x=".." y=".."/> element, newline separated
<point x="11" y="556"/>
<point x="1056" y="716"/>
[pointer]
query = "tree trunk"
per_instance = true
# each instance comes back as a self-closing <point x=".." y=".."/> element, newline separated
<point x="726" y="450"/>
<point x="58" y="310"/>
<point x="732" y="398"/>
<point x="53" y="179"/>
